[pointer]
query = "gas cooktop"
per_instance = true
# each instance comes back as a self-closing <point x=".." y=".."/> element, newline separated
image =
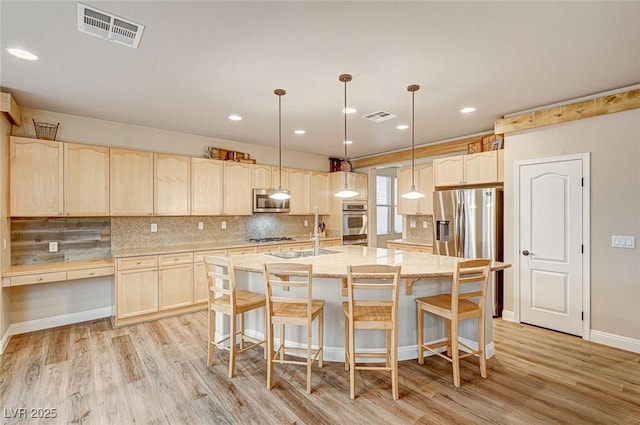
<point x="275" y="239"/>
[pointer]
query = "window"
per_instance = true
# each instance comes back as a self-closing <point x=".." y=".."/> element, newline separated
<point x="388" y="220"/>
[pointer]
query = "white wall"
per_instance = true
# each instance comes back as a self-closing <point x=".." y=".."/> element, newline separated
<point x="614" y="143"/>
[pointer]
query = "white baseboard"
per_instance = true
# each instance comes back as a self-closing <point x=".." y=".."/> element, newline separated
<point x="64" y="319"/>
<point x="336" y="354"/>
<point x="617" y="341"/>
<point x="4" y="341"/>
<point x="508" y="316"/>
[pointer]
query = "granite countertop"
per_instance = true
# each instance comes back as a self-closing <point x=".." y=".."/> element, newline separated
<point x="411" y="242"/>
<point x="414" y="264"/>
<point x="206" y="246"/>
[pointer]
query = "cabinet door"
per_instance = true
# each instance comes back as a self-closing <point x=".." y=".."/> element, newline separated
<point x="131" y="182"/>
<point x="175" y="286"/>
<point x="449" y="171"/>
<point x="36" y="177"/>
<point x="237" y="191"/>
<point x="206" y="186"/>
<point x="86" y="180"/>
<point x="425" y="175"/>
<point x="359" y="182"/>
<point x="200" y="286"/>
<point x="300" y="187"/>
<point x="171" y="184"/>
<point x="137" y="292"/>
<point x="276" y="178"/>
<point x="500" y="166"/>
<point x="320" y="192"/>
<point x="407" y="206"/>
<point x="481" y="167"/>
<point x="262" y="177"/>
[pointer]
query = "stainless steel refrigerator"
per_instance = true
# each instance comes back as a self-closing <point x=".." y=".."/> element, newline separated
<point x="468" y="223"/>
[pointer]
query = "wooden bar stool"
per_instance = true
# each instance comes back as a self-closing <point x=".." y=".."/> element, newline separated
<point x="291" y="310"/>
<point x="225" y="299"/>
<point x="372" y="314"/>
<point x="454" y="308"/>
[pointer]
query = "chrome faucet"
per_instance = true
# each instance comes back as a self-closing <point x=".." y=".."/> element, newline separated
<point x="316" y="235"/>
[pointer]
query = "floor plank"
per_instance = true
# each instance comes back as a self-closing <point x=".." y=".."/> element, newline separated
<point x="155" y="373"/>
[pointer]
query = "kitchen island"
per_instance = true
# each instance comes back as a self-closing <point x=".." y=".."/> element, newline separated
<point x="422" y="274"/>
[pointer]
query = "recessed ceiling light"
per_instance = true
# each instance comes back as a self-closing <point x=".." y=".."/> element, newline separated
<point x="235" y="117"/>
<point x="300" y="132"/>
<point x="349" y="110"/>
<point x="348" y="142"/>
<point x="467" y="109"/>
<point x="22" y="54"/>
<point x="402" y="127"/>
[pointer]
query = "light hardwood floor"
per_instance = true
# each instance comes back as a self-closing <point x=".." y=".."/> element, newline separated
<point x="155" y="373"/>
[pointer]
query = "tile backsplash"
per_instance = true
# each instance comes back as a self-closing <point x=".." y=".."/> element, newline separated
<point x="135" y="232"/>
<point x="420" y="233"/>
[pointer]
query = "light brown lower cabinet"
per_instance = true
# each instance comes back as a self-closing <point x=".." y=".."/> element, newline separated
<point x="200" y="289"/>
<point x="137" y="292"/>
<point x="409" y="247"/>
<point x="175" y="280"/>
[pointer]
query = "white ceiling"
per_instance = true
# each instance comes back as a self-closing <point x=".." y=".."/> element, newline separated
<point x="198" y="62"/>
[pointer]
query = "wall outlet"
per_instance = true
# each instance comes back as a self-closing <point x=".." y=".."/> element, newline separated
<point x="154" y="227"/>
<point x="306" y="223"/>
<point x="53" y="246"/>
<point x="623" y="241"/>
<point x="425" y="224"/>
<point x="412" y="224"/>
<point x="223" y="225"/>
<point x="200" y="225"/>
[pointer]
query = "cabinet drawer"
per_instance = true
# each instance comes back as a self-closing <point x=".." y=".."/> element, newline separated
<point x="421" y="248"/>
<point x="267" y="248"/>
<point x="398" y="246"/>
<point x="334" y="242"/>
<point x="38" y="278"/>
<point x="137" y="262"/>
<point x="216" y="253"/>
<point x="291" y="247"/>
<point x="83" y="274"/>
<point x="307" y="245"/>
<point x="242" y="250"/>
<point x="179" y="258"/>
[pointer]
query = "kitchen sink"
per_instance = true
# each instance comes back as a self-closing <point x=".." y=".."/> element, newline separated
<point x="298" y="254"/>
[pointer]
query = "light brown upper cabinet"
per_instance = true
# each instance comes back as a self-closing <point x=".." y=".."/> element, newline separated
<point x="131" y="182"/>
<point x="36" y="177"/>
<point x="424" y="184"/>
<point x="171" y="184"/>
<point x="262" y="176"/>
<point x="355" y="181"/>
<point x="237" y="189"/>
<point x="474" y="169"/>
<point x="51" y="178"/>
<point x="86" y="180"/>
<point x="286" y="178"/>
<point x="320" y="192"/>
<point x="206" y="186"/>
<point x="300" y="187"/>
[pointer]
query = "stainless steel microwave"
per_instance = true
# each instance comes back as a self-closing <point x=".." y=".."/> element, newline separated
<point x="263" y="204"/>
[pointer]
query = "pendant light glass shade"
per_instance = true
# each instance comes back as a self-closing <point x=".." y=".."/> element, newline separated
<point x="280" y="194"/>
<point x="413" y="193"/>
<point x="345" y="192"/>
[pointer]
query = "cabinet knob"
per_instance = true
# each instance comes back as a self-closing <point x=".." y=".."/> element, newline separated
<point x="91" y="274"/>
<point x="59" y="213"/>
<point x="39" y="279"/>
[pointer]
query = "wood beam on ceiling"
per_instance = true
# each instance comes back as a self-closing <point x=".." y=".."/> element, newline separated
<point x="574" y="111"/>
<point x="9" y="106"/>
<point x="455" y="146"/>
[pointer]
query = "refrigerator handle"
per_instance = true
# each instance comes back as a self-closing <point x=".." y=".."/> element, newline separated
<point x="460" y="239"/>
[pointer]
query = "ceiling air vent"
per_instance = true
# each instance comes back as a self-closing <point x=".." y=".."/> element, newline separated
<point x="379" y="116"/>
<point x="110" y="27"/>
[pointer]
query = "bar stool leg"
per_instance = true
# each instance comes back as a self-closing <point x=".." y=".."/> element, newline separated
<point x="455" y="352"/>
<point x="482" y="346"/>
<point x="232" y="345"/>
<point x="212" y="336"/>
<point x="420" y="322"/>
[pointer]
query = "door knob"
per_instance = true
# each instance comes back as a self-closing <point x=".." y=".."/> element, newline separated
<point x="525" y="253"/>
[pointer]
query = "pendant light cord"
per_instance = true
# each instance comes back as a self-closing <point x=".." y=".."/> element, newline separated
<point x="413" y="138"/>
<point x="280" y="141"/>
<point x="345" y="124"/>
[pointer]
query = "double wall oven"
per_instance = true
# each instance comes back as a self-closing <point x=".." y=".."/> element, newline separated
<point x="354" y="223"/>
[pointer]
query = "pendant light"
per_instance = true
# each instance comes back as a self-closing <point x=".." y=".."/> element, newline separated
<point x="413" y="193"/>
<point x="280" y="194"/>
<point x="345" y="192"/>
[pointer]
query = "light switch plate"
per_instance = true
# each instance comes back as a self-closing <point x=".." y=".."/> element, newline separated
<point x="425" y="224"/>
<point x="200" y="225"/>
<point x="623" y="241"/>
<point x="306" y="223"/>
<point x="412" y="224"/>
<point x="154" y="227"/>
<point x="223" y="225"/>
<point x="53" y="246"/>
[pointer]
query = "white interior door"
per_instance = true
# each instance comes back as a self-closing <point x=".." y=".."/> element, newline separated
<point x="551" y="245"/>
